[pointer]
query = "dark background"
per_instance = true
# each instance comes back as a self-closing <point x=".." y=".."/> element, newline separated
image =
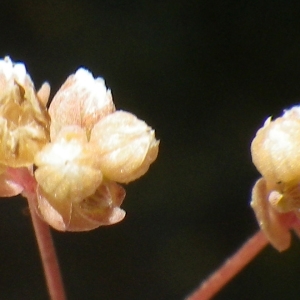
<point x="204" y="74"/>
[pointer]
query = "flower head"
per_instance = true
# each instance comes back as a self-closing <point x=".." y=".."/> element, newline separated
<point x="72" y="163"/>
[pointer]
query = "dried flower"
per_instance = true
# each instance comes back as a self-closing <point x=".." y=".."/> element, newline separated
<point x="68" y="167"/>
<point x="276" y="197"/>
<point x="127" y="146"/>
<point x="78" y="156"/>
<point x="275" y="149"/>
<point x="24" y="121"/>
<point x="84" y="101"/>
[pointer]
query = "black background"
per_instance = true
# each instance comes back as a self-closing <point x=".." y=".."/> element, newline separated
<point x="204" y="74"/>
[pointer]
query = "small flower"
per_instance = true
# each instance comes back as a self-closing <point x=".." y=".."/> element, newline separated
<point x="68" y="167"/>
<point x="24" y="121"/>
<point x="83" y="101"/>
<point x="126" y="146"/>
<point x="275" y="149"/>
<point x="276" y="196"/>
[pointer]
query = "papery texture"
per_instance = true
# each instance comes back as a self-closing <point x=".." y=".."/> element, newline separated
<point x="24" y="121"/>
<point x="68" y="168"/>
<point x="126" y="146"/>
<point x="274" y="224"/>
<point x="82" y="100"/>
<point x="275" y="150"/>
<point x="68" y="161"/>
<point x="101" y="208"/>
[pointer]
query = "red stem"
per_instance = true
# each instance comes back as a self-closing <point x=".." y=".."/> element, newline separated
<point x="48" y="255"/>
<point x="230" y="268"/>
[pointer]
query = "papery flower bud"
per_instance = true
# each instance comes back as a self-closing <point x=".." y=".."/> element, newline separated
<point x="68" y="169"/>
<point x="24" y="121"/>
<point x="126" y="146"/>
<point x="101" y="208"/>
<point x="81" y="100"/>
<point x="276" y="149"/>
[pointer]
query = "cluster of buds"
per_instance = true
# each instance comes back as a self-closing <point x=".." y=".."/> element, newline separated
<point x="76" y="153"/>
<point x="276" y="196"/>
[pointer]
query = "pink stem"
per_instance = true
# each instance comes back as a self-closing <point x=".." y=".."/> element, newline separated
<point x="48" y="255"/>
<point x="230" y="268"/>
<point x="23" y="177"/>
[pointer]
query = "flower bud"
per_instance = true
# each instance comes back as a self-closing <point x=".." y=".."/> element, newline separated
<point x="276" y="149"/>
<point x="126" y="146"/>
<point x="24" y="121"/>
<point x="68" y="169"/>
<point x="81" y="100"/>
<point x="101" y="208"/>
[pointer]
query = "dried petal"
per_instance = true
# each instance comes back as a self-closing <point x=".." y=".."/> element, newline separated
<point x="58" y="219"/>
<point x="101" y="208"/>
<point x="274" y="224"/>
<point x="127" y="146"/>
<point x="44" y="93"/>
<point x="82" y="100"/>
<point x="24" y="121"/>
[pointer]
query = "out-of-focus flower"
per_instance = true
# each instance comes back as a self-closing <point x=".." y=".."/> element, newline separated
<point x="126" y="146"/>
<point x="81" y="100"/>
<point x="276" y="196"/>
<point x="24" y="121"/>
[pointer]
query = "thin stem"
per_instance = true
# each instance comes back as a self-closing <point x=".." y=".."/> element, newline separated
<point x="48" y="256"/>
<point x="23" y="177"/>
<point x="230" y="268"/>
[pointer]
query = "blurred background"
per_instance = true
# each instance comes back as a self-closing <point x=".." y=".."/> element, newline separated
<point x="204" y="74"/>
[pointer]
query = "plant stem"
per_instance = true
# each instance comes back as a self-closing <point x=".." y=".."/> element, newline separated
<point x="23" y="177"/>
<point x="215" y="282"/>
<point x="48" y="256"/>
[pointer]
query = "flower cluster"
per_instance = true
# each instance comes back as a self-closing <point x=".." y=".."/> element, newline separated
<point x="76" y="153"/>
<point x="276" y="196"/>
